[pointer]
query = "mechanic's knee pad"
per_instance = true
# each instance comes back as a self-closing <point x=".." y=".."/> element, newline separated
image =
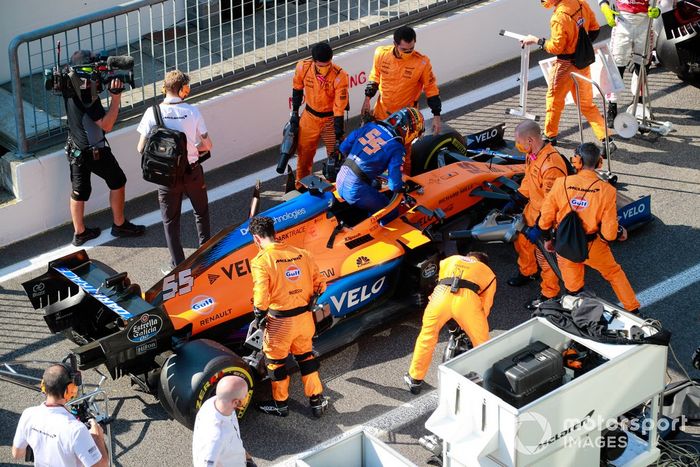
<point x="308" y="366"/>
<point x="277" y="374"/>
<point x="82" y="194"/>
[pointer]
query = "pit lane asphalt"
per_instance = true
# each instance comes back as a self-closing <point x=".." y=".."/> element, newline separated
<point x="364" y="379"/>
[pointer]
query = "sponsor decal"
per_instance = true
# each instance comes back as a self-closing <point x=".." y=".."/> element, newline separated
<point x="143" y="348"/>
<point x="291" y="233"/>
<point x="429" y="270"/>
<point x="241" y="268"/>
<point x="215" y="317"/>
<point x="292" y="215"/>
<point x="293" y="273"/>
<point x="144" y="328"/>
<point x="38" y="290"/>
<point x="448" y="175"/>
<point x="357" y="79"/>
<point x="108" y="302"/>
<point x="330" y="272"/>
<point x="358" y="295"/>
<point x="567" y="431"/>
<point x="485" y="135"/>
<point x="362" y="261"/>
<point x="212" y="278"/>
<point x="180" y="285"/>
<point x="579" y="204"/>
<point x="203" y="305"/>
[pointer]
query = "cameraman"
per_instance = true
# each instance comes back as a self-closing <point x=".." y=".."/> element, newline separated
<point x="55" y="435"/>
<point x="177" y="115"/>
<point x="88" y="152"/>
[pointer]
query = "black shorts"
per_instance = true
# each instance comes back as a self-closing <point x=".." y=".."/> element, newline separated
<point x="106" y="167"/>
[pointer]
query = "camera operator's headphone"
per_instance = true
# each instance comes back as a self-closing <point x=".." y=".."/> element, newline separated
<point x="71" y="383"/>
<point x="182" y="93"/>
<point x="577" y="160"/>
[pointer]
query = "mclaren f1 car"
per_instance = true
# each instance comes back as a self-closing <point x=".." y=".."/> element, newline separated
<point x="178" y="338"/>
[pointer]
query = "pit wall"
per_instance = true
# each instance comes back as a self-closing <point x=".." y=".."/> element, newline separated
<point x="249" y="119"/>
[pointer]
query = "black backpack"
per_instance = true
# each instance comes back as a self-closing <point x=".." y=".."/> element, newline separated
<point x="584" y="54"/>
<point x="572" y="241"/>
<point x="164" y="159"/>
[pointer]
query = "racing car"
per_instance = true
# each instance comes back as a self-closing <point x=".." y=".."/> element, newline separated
<point x="189" y="330"/>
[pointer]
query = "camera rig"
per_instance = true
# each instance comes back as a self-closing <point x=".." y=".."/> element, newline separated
<point x="93" y="77"/>
<point x="91" y="402"/>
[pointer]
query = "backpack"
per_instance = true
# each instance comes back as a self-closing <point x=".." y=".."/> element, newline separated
<point x="572" y="241"/>
<point x="584" y="54"/>
<point x="164" y="159"/>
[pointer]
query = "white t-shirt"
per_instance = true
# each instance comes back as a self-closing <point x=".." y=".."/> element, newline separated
<point x="177" y="115"/>
<point x="56" y="436"/>
<point x="216" y="441"/>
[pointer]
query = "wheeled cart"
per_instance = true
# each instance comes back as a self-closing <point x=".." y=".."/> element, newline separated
<point x="562" y="427"/>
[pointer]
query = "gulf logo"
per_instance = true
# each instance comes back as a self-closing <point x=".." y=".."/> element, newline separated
<point x="579" y="204"/>
<point x="292" y="273"/>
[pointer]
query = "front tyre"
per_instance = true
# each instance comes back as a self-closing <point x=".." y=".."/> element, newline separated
<point x="189" y="376"/>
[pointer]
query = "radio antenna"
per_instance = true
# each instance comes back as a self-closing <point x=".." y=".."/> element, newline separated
<point x="58" y="53"/>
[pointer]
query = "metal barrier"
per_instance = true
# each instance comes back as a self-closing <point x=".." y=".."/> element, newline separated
<point x="214" y="41"/>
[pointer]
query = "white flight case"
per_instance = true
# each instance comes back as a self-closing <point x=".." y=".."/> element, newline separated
<point x="562" y="427"/>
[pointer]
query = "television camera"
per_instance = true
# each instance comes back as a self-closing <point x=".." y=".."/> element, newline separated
<point x="95" y="76"/>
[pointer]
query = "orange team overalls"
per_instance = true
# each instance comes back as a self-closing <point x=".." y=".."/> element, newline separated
<point x="401" y="81"/>
<point x="564" y="36"/>
<point x="284" y="280"/>
<point x="326" y="97"/>
<point x="594" y="202"/>
<point x="469" y="306"/>
<point x="540" y="174"/>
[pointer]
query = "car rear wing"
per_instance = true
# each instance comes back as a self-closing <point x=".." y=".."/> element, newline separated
<point x="102" y="312"/>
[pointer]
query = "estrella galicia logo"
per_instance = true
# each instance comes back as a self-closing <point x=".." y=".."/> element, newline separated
<point x="293" y="273"/>
<point x="362" y="261"/>
<point x="579" y="204"/>
<point x="144" y="328"/>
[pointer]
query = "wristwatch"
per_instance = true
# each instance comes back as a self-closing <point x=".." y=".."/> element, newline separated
<point x="541" y="42"/>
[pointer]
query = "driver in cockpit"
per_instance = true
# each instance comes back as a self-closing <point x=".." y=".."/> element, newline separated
<point x="372" y="149"/>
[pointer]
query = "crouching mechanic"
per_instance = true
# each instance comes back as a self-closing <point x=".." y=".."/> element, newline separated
<point x="285" y="280"/>
<point x="55" y="435"/>
<point x="401" y="74"/>
<point x="372" y="149"/>
<point x="465" y="291"/>
<point x="594" y="201"/>
<point x="324" y="86"/>
<point x="543" y="165"/>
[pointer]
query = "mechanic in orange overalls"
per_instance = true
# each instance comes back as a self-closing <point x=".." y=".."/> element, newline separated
<point x="562" y="43"/>
<point x="400" y="74"/>
<point x="324" y="87"/>
<point x="465" y="291"/>
<point x="595" y="203"/>
<point x="543" y="165"/>
<point x="285" y="279"/>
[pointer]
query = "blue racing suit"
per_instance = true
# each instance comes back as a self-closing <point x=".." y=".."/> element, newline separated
<point x="373" y="148"/>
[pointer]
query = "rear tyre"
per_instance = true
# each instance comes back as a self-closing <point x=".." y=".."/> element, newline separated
<point x="424" y="151"/>
<point x="189" y="377"/>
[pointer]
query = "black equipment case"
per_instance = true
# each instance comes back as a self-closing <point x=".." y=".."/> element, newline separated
<point x="527" y="375"/>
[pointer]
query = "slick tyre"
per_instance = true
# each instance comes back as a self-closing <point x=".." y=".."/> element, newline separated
<point x="424" y="151"/>
<point x="189" y="377"/>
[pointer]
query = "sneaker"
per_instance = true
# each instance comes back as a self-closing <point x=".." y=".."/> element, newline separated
<point x="85" y="235"/>
<point x="612" y="113"/>
<point x="551" y="140"/>
<point x="520" y="280"/>
<point x="318" y="404"/>
<point x="532" y="305"/>
<point x="414" y="385"/>
<point x="273" y="407"/>
<point x="127" y="229"/>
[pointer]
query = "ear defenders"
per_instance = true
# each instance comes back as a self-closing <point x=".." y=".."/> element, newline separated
<point x="577" y="161"/>
<point x="182" y="93"/>
<point x="75" y="380"/>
